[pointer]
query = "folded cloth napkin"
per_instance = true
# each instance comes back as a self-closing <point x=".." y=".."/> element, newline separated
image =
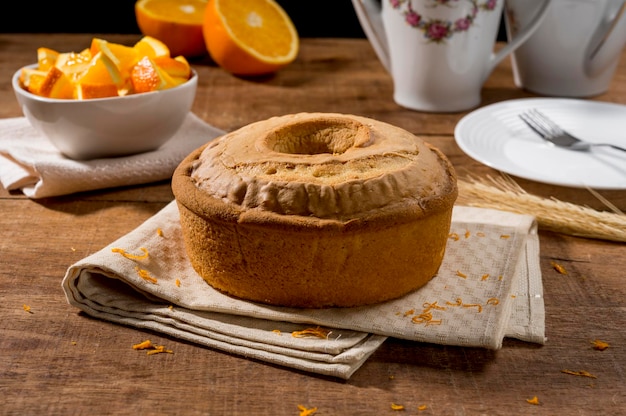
<point x="29" y="162"/>
<point x="488" y="287"/>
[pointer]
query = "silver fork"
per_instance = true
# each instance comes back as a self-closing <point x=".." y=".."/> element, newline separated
<point x="551" y="132"/>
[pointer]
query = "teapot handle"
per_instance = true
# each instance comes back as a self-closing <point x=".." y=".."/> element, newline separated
<point x="609" y="38"/>
<point x="369" y="13"/>
<point x="520" y="37"/>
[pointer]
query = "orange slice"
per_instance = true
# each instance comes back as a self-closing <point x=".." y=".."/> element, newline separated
<point x="102" y="72"/>
<point x="151" y="47"/>
<point x="175" y="67"/>
<point x="249" y="37"/>
<point x="73" y="64"/>
<point x="56" y="85"/>
<point x="146" y="76"/>
<point x="46" y="58"/>
<point x="177" y="23"/>
<point x="32" y="79"/>
<point x="85" y="91"/>
<point x="124" y="57"/>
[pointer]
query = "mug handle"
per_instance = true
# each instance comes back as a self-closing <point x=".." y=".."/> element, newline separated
<point x="369" y="13"/>
<point x="520" y="38"/>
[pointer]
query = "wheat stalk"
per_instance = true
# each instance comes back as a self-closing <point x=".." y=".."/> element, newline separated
<point x="552" y="214"/>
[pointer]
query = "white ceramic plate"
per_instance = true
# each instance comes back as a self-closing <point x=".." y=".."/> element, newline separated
<point x="496" y="136"/>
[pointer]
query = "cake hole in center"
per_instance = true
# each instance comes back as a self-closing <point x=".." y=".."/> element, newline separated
<point x="314" y="137"/>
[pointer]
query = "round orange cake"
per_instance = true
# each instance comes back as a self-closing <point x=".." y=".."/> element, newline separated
<point x="316" y="210"/>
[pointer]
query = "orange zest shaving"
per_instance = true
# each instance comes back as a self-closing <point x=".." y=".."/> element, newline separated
<point x="177" y="283"/>
<point x="143" y="345"/>
<point x="581" y="373"/>
<point x="485" y="276"/>
<point x="131" y="256"/>
<point x="27" y="308"/>
<point x="473" y="305"/>
<point x="159" y="232"/>
<point x="454" y="236"/>
<point x="311" y="332"/>
<point x="467" y="234"/>
<point x="458" y="302"/>
<point x="505" y="236"/>
<point x="277" y="331"/>
<point x="534" y="400"/>
<point x="558" y="267"/>
<point x="599" y="345"/>
<point x="422" y="407"/>
<point x="396" y="406"/>
<point x="159" y="349"/>
<point x="428" y="306"/>
<point x="145" y="275"/>
<point x="152" y="349"/>
<point x="461" y="274"/>
<point x="493" y="301"/>
<point x="305" y="411"/>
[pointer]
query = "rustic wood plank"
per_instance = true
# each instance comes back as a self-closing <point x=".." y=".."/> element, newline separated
<point x="59" y="361"/>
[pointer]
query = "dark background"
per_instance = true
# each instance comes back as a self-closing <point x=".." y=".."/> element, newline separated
<point x="316" y="18"/>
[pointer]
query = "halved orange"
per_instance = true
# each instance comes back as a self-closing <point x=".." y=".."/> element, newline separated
<point x="177" y="23"/>
<point x="249" y="37"/>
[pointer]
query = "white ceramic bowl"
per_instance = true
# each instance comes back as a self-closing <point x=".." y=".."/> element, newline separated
<point x="108" y="127"/>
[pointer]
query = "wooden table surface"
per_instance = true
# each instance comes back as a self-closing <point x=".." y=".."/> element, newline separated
<point x="56" y="360"/>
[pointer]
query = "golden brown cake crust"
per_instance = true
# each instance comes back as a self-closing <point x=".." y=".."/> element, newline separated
<point x="315" y="210"/>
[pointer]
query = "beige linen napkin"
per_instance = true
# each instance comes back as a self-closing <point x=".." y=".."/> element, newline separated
<point x="489" y="287"/>
<point x="30" y="163"/>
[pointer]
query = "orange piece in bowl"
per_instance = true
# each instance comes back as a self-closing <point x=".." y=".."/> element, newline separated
<point x="249" y="37"/>
<point x="73" y="64"/>
<point x="56" y="85"/>
<point x="85" y="91"/>
<point x="177" y="67"/>
<point x="46" y="58"/>
<point x="146" y="76"/>
<point x="177" y="23"/>
<point x="32" y="79"/>
<point x="151" y="47"/>
<point x="124" y="57"/>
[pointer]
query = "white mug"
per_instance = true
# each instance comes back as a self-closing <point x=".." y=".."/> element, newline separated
<point x="575" y="50"/>
<point x="439" y="52"/>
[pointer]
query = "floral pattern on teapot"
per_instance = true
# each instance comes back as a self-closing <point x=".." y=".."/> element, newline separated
<point x="438" y="30"/>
